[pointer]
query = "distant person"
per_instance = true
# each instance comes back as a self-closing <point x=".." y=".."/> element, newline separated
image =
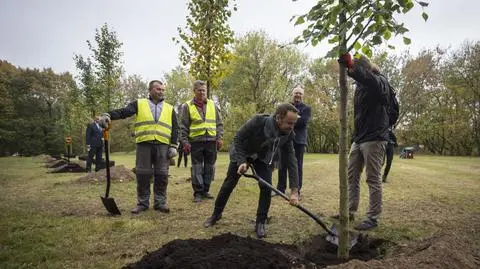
<point x="259" y="141"/>
<point x="182" y="154"/>
<point x="94" y="141"/>
<point x="370" y="135"/>
<point x="156" y="134"/>
<point x="390" y="151"/>
<point x="201" y="133"/>
<point x="299" y="141"/>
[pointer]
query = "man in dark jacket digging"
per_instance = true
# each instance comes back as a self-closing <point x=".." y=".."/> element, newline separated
<point x="370" y="135"/>
<point x="259" y="141"/>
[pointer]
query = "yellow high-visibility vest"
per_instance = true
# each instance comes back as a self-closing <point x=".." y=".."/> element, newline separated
<point x="146" y="129"/>
<point x="198" y="126"/>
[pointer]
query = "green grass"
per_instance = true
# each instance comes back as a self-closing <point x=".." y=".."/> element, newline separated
<point x="52" y="221"/>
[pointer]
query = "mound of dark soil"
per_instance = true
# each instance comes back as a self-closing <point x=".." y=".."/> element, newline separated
<point x="117" y="173"/>
<point x="231" y="251"/>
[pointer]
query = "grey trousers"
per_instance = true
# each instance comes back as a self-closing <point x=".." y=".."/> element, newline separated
<point x="369" y="154"/>
<point x="152" y="160"/>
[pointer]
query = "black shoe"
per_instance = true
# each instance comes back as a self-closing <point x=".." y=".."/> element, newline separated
<point x="260" y="229"/>
<point x="350" y="216"/>
<point x="207" y="195"/>
<point x="197" y="198"/>
<point x="212" y="220"/>
<point x="367" y="224"/>
<point x="139" y="209"/>
<point x="162" y="208"/>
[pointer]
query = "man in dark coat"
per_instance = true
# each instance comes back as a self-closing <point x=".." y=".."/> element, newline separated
<point x="370" y="135"/>
<point x="94" y="143"/>
<point x="299" y="142"/>
<point x="259" y="141"/>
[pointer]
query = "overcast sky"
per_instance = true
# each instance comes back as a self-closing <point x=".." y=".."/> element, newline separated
<point x="47" y="33"/>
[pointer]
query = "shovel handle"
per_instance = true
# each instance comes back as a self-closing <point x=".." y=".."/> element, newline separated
<point x="106" y="136"/>
<point x="303" y="209"/>
<point x="106" y="132"/>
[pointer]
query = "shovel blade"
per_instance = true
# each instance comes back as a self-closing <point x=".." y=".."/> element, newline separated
<point x="110" y="205"/>
<point x="334" y="239"/>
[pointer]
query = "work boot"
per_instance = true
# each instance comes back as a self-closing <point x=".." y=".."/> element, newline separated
<point x="212" y="220"/>
<point x="197" y="198"/>
<point x="260" y="229"/>
<point x="366" y="225"/>
<point x="207" y="195"/>
<point x="162" y="208"/>
<point x="139" y="209"/>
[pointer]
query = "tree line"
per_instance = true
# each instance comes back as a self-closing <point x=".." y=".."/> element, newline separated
<point x="438" y="90"/>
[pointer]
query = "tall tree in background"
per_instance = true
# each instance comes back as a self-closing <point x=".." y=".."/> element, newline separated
<point x="351" y="25"/>
<point x="132" y="88"/>
<point x="90" y="92"/>
<point x="206" y="39"/>
<point x="462" y="76"/>
<point x="179" y="86"/>
<point x="259" y="76"/>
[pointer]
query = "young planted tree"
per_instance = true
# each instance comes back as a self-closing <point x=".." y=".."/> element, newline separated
<point x="206" y="39"/>
<point x="107" y="55"/>
<point x="359" y="25"/>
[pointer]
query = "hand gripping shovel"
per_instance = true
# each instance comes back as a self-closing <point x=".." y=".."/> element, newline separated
<point x="108" y="202"/>
<point x="332" y="236"/>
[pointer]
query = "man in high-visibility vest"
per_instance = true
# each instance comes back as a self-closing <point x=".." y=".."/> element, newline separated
<point x="156" y="135"/>
<point x="201" y="132"/>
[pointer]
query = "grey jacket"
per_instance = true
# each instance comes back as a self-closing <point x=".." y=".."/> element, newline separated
<point x="260" y="139"/>
<point x="185" y="125"/>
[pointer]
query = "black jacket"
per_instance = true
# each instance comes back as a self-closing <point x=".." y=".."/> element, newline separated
<point x="370" y="102"/>
<point x="300" y="128"/>
<point x="260" y="139"/>
<point x="132" y="108"/>
<point x="94" y="135"/>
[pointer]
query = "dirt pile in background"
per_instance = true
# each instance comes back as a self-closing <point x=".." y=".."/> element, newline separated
<point x="117" y="173"/>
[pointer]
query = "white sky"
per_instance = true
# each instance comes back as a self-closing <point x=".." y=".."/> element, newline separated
<point x="47" y="33"/>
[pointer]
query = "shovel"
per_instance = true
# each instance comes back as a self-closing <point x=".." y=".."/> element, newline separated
<point x="332" y="235"/>
<point x="108" y="202"/>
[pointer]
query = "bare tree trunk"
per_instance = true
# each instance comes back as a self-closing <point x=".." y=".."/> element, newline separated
<point x="343" y="247"/>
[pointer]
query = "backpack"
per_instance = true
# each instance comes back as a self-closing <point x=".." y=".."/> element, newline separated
<point x="393" y="109"/>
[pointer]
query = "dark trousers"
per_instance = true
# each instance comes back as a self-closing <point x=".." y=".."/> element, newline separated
<point x="97" y="152"/>
<point x="263" y="171"/>
<point x="204" y="155"/>
<point x="389" y="152"/>
<point x="181" y="154"/>
<point x="151" y="160"/>
<point x="282" y="170"/>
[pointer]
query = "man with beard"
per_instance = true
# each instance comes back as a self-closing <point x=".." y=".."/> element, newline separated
<point x="259" y="141"/>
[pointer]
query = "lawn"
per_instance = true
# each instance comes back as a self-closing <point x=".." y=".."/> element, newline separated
<point x="53" y="221"/>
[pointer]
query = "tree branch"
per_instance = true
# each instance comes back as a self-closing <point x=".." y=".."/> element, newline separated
<point x="359" y="35"/>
